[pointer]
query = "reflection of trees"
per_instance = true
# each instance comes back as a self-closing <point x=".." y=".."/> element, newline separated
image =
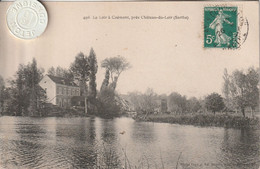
<point x="240" y="148"/>
<point x="83" y="152"/>
<point x="107" y="146"/>
<point x="28" y="151"/>
<point x="143" y="132"/>
<point x="108" y="131"/>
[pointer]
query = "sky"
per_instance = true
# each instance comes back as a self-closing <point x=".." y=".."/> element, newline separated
<point x="166" y="55"/>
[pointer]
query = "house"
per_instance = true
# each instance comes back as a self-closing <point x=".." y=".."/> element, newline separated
<point x="164" y="107"/>
<point x="59" y="91"/>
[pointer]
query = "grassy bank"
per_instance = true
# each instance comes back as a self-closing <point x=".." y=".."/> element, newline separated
<point x="218" y="120"/>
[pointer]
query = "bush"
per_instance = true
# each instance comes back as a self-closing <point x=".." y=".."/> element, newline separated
<point x="218" y="120"/>
<point x="107" y="105"/>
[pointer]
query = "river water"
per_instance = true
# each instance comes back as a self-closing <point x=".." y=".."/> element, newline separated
<point x="122" y="142"/>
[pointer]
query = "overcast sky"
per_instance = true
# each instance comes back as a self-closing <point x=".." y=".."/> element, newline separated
<point x="165" y="55"/>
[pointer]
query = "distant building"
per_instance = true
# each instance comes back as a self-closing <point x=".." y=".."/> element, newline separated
<point x="59" y="91"/>
<point x="164" y="106"/>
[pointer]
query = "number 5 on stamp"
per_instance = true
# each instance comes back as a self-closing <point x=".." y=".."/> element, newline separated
<point x="220" y="27"/>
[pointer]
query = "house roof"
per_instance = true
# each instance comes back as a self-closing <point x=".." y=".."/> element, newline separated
<point x="63" y="81"/>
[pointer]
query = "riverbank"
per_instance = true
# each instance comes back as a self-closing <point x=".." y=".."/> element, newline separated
<point x="50" y="112"/>
<point x="204" y="120"/>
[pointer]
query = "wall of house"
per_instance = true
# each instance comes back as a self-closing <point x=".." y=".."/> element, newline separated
<point x="65" y="93"/>
<point x="50" y="87"/>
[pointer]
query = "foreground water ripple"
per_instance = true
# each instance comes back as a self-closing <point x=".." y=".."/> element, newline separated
<point x="101" y="143"/>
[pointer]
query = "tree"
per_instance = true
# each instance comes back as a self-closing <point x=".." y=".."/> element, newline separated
<point x="2" y="90"/>
<point x="34" y="77"/>
<point x="177" y="103"/>
<point x="145" y="103"/>
<point x="107" y="103"/>
<point x="81" y="71"/>
<point x="149" y="104"/>
<point x="243" y="89"/>
<point x="61" y="72"/>
<point x="214" y="102"/>
<point x="26" y="96"/>
<point x="135" y="99"/>
<point x="193" y="105"/>
<point x="51" y="71"/>
<point x="92" y="76"/>
<point x="105" y="82"/>
<point x="115" y="66"/>
<point x="226" y="91"/>
<point x="252" y="93"/>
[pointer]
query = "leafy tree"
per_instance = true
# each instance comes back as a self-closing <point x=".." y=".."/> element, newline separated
<point x="243" y="89"/>
<point x="6" y="100"/>
<point x="214" y="102"/>
<point x="26" y="96"/>
<point x="177" y="103"/>
<point x="252" y="94"/>
<point x="92" y="76"/>
<point x="61" y="72"/>
<point x="81" y="71"/>
<point x="52" y="71"/>
<point x="149" y="104"/>
<point x="107" y="103"/>
<point x="115" y="65"/>
<point x="193" y="105"/>
<point x="226" y="91"/>
<point x="144" y="103"/>
<point x="135" y="99"/>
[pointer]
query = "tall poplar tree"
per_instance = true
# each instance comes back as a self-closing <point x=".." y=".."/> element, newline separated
<point x="92" y="76"/>
<point x="81" y="71"/>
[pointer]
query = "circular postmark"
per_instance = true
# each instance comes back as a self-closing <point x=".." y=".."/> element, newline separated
<point x="27" y="19"/>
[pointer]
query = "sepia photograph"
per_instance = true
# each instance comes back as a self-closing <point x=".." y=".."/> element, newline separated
<point x="129" y="85"/>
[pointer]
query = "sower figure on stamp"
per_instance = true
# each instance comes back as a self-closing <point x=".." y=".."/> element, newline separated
<point x="217" y="24"/>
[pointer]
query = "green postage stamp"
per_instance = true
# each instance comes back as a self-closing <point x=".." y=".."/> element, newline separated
<point x="220" y="27"/>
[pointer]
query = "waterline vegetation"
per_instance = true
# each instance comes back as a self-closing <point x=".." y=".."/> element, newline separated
<point x="236" y="107"/>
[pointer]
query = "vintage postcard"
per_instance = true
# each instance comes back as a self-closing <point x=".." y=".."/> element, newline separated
<point x="142" y="85"/>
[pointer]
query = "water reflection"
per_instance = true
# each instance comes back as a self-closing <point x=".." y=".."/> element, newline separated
<point x="91" y="142"/>
<point x="240" y="148"/>
<point x="27" y="151"/>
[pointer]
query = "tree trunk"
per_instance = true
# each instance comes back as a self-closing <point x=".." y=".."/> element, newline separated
<point x="86" y="105"/>
<point x="85" y="95"/>
<point x="243" y="112"/>
<point x="1" y="108"/>
<point x="251" y="111"/>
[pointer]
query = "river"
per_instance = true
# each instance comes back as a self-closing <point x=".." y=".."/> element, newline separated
<point x="91" y="142"/>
